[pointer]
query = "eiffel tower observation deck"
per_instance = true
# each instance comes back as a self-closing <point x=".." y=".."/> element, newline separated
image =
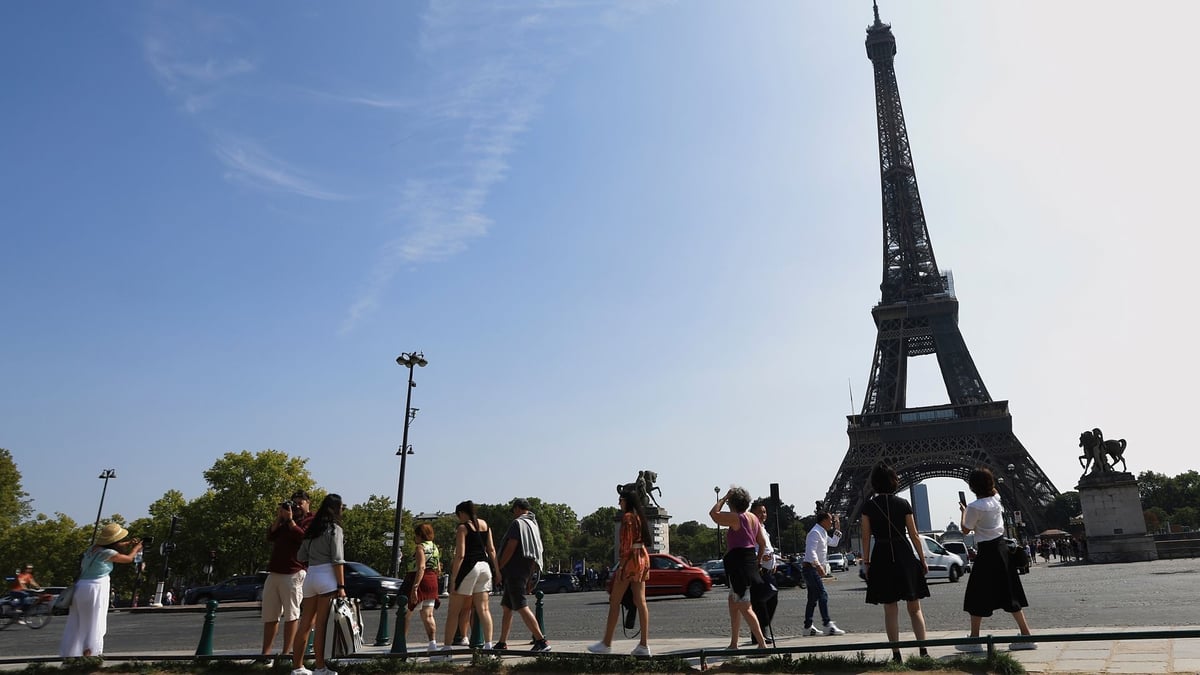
<point x="917" y="315"/>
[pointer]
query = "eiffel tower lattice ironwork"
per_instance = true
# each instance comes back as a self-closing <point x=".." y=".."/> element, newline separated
<point x="918" y="315"/>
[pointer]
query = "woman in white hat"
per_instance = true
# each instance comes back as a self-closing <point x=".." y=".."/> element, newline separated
<point x="88" y="621"/>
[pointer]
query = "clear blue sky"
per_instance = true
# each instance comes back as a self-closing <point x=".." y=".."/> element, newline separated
<point x="625" y="235"/>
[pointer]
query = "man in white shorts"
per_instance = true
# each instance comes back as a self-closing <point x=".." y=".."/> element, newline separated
<point x="284" y="587"/>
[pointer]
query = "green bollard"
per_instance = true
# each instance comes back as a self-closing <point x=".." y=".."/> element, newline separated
<point x="399" y="641"/>
<point x="308" y="649"/>
<point x="381" y="635"/>
<point x="205" y="648"/>
<point x="539" y="611"/>
<point x="476" y="631"/>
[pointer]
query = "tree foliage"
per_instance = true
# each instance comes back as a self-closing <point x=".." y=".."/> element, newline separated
<point x="15" y="505"/>
<point x="1171" y="500"/>
<point x="367" y="527"/>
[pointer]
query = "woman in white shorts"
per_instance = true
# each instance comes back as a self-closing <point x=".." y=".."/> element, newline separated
<point x="470" y="575"/>
<point x="322" y="549"/>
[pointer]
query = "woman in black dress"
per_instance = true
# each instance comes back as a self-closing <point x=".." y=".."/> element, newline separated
<point x="893" y="569"/>
<point x="994" y="582"/>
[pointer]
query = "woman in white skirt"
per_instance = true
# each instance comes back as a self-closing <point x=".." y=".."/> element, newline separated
<point x="88" y="620"/>
<point x="322" y="549"/>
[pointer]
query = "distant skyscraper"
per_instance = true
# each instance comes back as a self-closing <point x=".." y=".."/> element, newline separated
<point x="920" y="504"/>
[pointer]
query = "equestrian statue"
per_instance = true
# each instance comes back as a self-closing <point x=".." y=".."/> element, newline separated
<point x="1096" y="452"/>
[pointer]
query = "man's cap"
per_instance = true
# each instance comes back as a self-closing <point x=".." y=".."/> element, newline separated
<point x="300" y="494"/>
<point x="520" y="503"/>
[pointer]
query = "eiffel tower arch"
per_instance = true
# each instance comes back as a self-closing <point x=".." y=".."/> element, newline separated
<point x="917" y="315"/>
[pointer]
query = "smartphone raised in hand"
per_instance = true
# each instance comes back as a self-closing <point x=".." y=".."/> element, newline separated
<point x="962" y="498"/>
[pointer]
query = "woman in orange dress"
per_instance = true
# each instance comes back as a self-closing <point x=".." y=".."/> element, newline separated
<point x="633" y="570"/>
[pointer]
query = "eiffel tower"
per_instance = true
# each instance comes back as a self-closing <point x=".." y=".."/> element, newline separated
<point x="917" y="315"/>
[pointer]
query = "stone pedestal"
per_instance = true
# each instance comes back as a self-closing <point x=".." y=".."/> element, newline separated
<point x="1112" y="516"/>
<point x="659" y="529"/>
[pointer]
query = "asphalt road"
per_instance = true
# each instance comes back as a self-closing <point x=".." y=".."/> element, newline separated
<point x="1152" y="594"/>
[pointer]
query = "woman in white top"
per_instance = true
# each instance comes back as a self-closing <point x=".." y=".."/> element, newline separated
<point x="994" y="583"/>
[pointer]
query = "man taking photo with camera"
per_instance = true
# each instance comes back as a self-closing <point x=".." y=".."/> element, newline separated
<point x="284" y="587"/>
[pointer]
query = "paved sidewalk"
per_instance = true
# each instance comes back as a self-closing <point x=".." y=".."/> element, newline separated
<point x="1175" y="655"/>
<point x="1168" y="655"/>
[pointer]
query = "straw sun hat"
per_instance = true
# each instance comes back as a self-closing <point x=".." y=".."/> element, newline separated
<point x="111" y="533"/>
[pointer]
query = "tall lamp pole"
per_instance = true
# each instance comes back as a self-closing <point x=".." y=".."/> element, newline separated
<point x="105" y="474"/>
<point x="408" y="360"/>
<point x="717" y="492"/>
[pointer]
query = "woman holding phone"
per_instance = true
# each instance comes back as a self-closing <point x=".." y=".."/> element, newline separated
<point x="994" y="583"/>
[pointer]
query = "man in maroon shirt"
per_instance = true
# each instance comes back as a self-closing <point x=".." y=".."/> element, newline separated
<point x="284" y="587"/>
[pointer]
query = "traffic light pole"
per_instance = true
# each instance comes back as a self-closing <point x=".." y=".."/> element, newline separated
<point x="165" y="549"/>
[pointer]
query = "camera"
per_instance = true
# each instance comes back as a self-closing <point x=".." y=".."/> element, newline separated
<point x="287" y="504"/>
<point x="147" y="540"/>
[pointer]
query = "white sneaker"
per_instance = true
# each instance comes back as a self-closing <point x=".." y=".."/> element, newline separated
<point x="302" y="671"/>
<point x="324" y="671"/>
<point x="973" y="648"/>
<point x="443" y="654"/>
<point x="641" y="650"/>
<point x="487" y="646"/>
<point x="810" y="631"/>
<point x="599" y="648"/>
<point x="832" y="629"/>
<point x="433" y="646"/>
<point x="1021" y="646"/>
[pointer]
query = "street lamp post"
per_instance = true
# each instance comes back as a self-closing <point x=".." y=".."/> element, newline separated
<point x="105" y="474"/>
<point x="717" y="492"/>
<point x="408" y="360"/>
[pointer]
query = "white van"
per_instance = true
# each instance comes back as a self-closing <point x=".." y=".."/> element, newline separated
<point x="942" y="563"/>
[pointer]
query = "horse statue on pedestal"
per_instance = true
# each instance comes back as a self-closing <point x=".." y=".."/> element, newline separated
<point x="644" y="487"/>
<point x="1096" y="452"/>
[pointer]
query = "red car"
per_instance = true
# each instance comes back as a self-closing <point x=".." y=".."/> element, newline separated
<point x="671" y="576"/>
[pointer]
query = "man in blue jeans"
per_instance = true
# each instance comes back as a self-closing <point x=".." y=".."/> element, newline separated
<point x="816" y="552"/>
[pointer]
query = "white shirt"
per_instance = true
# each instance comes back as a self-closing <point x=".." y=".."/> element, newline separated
<point x="816" y="546"/>
<point x="985" y="517"/>
<point x="768" y="564"/>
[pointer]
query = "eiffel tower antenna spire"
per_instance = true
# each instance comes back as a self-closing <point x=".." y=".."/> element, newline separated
<point x="917" y="315"/>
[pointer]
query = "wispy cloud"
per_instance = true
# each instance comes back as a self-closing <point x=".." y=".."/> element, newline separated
<point x="369" y="100"/>
<point x="249" y="164"/>
<point x="493" y="65"/>
<point x="195" y="83"/>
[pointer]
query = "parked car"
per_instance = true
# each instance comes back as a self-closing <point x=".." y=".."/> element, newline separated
<point x="671" y="576"/>
<point x="243" y="588"/>
<point x="369" y="586"/>
<point x="53" y="591"/>
<point x="837" y="562"/>
<point x="942" y="563"/>
<point x="851" y="559"/>
<point x="557" y="582"/>
<point x="963" y="551"/>
<point x="716" y="572"/>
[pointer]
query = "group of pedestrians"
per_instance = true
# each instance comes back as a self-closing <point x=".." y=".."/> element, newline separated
<point x="893" y="564"/>
<point x="895" y="570"/>
<point x="306" y="571"/>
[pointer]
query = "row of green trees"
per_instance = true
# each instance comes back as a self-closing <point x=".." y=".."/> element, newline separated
<point x="1170" y="502"/>
<point x="222" y="531"/>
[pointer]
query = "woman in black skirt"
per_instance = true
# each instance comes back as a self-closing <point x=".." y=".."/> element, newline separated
<point x="893" y="569"/>
<point x="994" y="583"/>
